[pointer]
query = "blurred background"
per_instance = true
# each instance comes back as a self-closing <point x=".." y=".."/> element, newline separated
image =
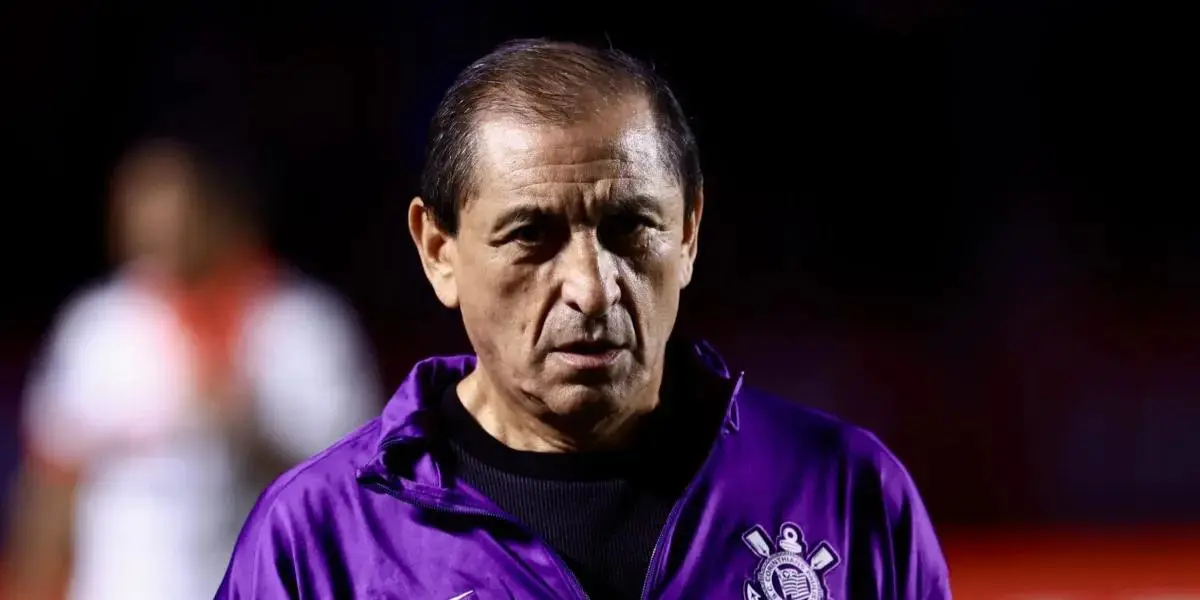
<point x="963" y="225"/>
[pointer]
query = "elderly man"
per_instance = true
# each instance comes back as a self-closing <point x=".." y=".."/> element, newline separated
<point x="581" y="453"/>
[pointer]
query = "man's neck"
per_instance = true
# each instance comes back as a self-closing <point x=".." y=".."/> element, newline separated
<point x="525" y="425"/>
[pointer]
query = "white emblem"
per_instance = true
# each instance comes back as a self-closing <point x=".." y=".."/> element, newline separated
<point x="788" y="569"/>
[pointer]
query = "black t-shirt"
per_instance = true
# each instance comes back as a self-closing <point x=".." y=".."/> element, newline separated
<point x="601" y="512"/>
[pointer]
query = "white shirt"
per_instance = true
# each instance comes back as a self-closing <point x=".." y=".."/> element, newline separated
<point x="159" y="520"/>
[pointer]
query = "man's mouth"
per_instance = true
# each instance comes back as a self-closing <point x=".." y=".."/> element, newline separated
<point x="588" y="355"/>
<point x="584" y="347"/>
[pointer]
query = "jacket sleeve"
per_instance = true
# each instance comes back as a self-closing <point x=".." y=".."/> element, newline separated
<point x="263" y="565"/>
<point x="919" y="567"/>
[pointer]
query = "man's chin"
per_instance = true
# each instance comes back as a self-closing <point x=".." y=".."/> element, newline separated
<point x="568" y="395"/>
<point x="577" y="407"/>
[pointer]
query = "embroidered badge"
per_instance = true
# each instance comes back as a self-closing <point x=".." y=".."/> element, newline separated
<point x="788" y="569"/>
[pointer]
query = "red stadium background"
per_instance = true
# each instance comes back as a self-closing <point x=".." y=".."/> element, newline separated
<point x="1058" y="564"/>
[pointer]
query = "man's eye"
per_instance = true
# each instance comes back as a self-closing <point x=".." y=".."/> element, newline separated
<point x="528" y="235"/>
<point x="624" y="226"/>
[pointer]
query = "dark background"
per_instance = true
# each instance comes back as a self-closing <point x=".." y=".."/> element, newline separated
<point x="966" y="226"/>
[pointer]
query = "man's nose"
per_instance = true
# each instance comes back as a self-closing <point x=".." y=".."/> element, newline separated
<point x="589" y="283"/>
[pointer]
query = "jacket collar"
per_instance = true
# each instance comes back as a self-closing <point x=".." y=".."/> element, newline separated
<point x="410" y="417"/>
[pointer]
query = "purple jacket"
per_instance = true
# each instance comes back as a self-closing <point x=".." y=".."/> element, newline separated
<point x="790" y="504"/>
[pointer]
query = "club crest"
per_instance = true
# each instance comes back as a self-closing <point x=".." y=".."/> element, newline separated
<point x="788" y="569"/>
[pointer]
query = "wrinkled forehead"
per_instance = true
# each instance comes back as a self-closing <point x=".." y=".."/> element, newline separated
<point x="619" y="147"/>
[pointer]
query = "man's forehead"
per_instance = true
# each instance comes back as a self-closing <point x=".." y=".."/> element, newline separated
<point x="621" y="144"/>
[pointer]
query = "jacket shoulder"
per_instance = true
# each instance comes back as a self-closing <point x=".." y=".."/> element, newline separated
<point x="877" y="484"/>
<point x="786" y="422"/>
<point x="828" y="444"/>
<point x="274" y="548"/>
<point x="309" y="494"/>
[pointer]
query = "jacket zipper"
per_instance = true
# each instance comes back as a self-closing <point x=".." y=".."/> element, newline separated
<point x="672" y="517"/>
<point x="565" y="570"/>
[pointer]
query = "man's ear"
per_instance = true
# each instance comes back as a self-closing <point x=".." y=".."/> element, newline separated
<point x="691" y="238"/>
<point x="437" y="249"/>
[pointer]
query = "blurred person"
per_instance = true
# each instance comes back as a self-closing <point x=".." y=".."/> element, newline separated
<point x="586" y="449"/>
<point x="172" y="393"/>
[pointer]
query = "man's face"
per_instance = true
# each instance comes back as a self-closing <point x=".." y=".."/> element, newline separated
<point x="569" y="260"/>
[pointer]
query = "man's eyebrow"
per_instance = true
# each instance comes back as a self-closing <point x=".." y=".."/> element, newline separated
<point x="525" y="212"/>
<point x="634" y="203"/>
<point x="517" y="213"/>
